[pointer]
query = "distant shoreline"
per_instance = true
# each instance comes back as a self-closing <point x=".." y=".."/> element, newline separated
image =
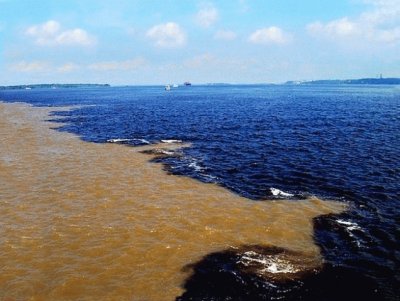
<point x="51" y="86"/>
<point x="360" y="81"/>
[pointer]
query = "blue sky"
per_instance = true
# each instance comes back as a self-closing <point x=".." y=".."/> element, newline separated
<point x="172" y="41"/>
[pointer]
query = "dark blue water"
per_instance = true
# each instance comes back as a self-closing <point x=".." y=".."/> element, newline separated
<point x="335" y="142"/>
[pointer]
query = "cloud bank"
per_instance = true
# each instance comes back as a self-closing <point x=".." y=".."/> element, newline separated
<point x="207" y="15"/>
<point x="33" y="66"/>
<point x="51" y="34"/>
<point x="167" y="35"/>
<point x="381" y="24"/>
<point x="269" y="35"/>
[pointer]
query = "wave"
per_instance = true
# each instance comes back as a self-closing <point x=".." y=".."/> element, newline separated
<point x="118" y="140"/>
<point x="171" y="141"/>
<point x="277" y="192"/>
<point x="350" y="227"/>
<point x="123" y="140"/>
<point x="271" y="264"/>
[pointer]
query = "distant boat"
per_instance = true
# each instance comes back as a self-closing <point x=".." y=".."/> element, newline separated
<point x="187" y="83"/>
<point x="28" y="88"/>
<point x="167" y="87"/>
<point x="175" y="86"/>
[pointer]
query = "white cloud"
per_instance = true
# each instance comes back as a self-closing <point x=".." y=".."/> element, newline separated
<point x="50" y="34"/>
<point x="225" y="35"/>
<point x="34" y="66"/>
<point x="44" y="33"/>
<point x="383" y="11"/>
<point x="75" y="36"/>
<point x="340" y="27"/>
<point x="389" y="36"/>
<point x="68" y="67"/>
<point x="207" y="15"/>
<point x="269" y="35"/>
<point x="168" y="35"/>
<point x="46" y="66"/>
<point x="380" y="23"/>
<point x="118" y="65"/>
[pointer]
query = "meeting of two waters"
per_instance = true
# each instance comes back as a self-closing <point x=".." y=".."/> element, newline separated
<point x="269" y="181"/>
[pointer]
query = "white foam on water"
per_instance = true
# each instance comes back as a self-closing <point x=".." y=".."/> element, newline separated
<point x="142" y="141"/>
<point x="277" y="192"/>
<point x="171" y="141"/>
<point x="117" y="140"/>
<point x="271" y="263"/>
<point x="194" y="165"/>
<point x="350" y="226"/>
<point x="210" y="176"/>
<point x="167" y="152"/>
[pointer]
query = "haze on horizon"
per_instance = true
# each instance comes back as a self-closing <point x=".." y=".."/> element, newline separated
<point x="172" y="41"/>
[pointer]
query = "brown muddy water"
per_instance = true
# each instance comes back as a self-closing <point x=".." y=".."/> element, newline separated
<point x="86" y="221"/>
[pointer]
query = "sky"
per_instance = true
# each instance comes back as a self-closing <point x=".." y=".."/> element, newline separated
<point x="144" y="42"/>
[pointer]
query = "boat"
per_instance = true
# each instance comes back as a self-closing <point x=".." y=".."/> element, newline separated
<point x="175" y="86"/>
<point x="187" y="83"/>
<point x="167" y="87"/>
